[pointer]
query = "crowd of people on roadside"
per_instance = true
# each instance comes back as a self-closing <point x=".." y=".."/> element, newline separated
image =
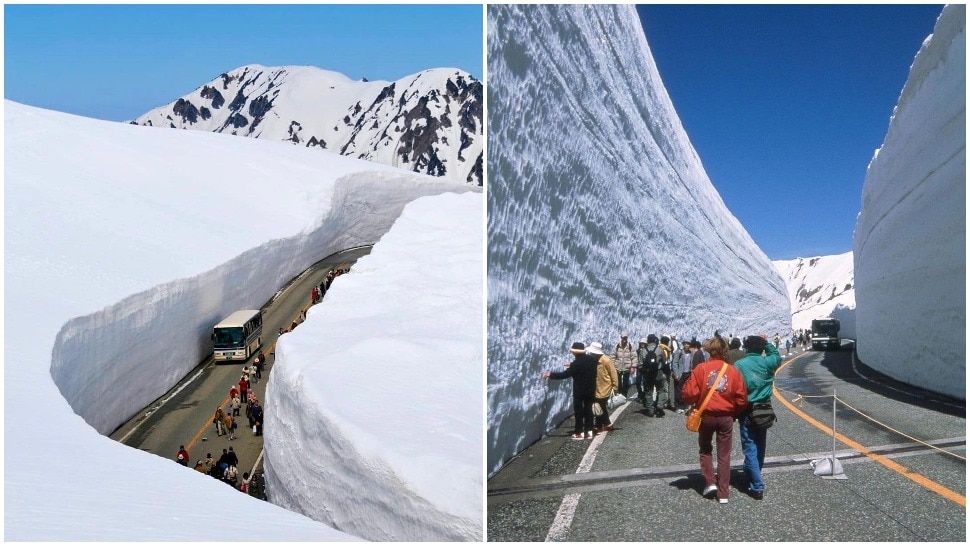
<point x="321" y="290"/>
<point x="724" y="378"/>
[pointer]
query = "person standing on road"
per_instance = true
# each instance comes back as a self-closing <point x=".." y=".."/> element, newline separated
<point x="244" y="486"/>
<point x="673" y="378"/>
<point x="231" y="457"/>
<point x="668" y="373"/>
<point x="233" y="392"/>
<point x="182" y="456"/>
<point x="243" y="386"/>
<point x="651" y="363"/>
<point x="787" y="346"/>
<point x="681" y="370"/>
<point x="231" y="425"/>
<point x="759" y="376"/>
<point x="625" y="358"/>
<point x="735" y="352"/>
<point x="606" y="384"/>
<point x="699" y="356"/>
<point x="219" y="419"/>
<point x="583" y="372"/>
<point x="258" y="418"/>
<point x="236" y="404"/>
<point x="208" y="464"/>
<point x="728" y="400"/>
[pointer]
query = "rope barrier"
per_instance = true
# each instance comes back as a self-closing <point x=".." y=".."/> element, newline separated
<point x="799" y="396"/>
<point x="917" y="440"/>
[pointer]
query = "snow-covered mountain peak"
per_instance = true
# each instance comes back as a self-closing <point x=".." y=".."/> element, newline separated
<point x="817" y="285"/>
<point x="429" y="122"/>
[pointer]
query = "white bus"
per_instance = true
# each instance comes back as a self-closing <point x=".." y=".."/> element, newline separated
<point x="237" y="337"/>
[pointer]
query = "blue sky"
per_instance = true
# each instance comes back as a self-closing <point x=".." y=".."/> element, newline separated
<point x="116" y="62"/>
<point x="785" y="106"/>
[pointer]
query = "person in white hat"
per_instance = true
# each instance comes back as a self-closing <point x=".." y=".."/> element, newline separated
<point x="606" y="383"/>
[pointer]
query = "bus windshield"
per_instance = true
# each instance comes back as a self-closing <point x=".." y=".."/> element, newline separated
<point x="826" y="327"/>
<point x="227" y="338"/>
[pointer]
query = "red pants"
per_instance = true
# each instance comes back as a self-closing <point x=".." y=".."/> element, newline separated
<point x="723" y="425"/>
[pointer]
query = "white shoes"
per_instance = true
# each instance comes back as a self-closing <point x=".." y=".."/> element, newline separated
<point x="710" y="489"/>
<point x="722" y="501"/>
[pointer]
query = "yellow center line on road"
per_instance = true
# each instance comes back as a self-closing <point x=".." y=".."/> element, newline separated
<point x="916" y="477"/>
<point x="201" y="431"/>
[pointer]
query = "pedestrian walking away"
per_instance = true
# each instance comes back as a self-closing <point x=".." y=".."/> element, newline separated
<point x="652" y="361"/>
<point x="182" y="456"/>
<point x="606" y="385"/>
<point x="728" y="399"/>
<point x="758" y="369"/>
<point x="244" y="486"/>
<point x="582" y="370"/>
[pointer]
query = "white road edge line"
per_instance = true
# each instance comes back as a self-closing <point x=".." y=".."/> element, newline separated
<point x="253" y="471"/>
<point x="567" y="509"/>
<point x="160" y="404"/>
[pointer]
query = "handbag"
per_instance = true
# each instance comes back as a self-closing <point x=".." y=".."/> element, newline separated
<point x="761" y="415"/>
<point x="597" y="409"/>
<point x="616" y="400"/>
<point x="694" y="415"/>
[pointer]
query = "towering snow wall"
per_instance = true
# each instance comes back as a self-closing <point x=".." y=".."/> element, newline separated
<point x="392" y="412"/>
<point x="910" y="237"/>
<point x="601" y="217"/>
<point x="118" y="261"/>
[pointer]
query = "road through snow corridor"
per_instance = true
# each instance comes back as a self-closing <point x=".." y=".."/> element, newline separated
<point x="649" y="466"/>
<point x="183" y="416"/>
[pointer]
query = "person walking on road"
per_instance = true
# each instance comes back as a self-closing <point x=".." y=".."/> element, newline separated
<point x="758" y="370"/>
<point x="735" y="352"/>
<point x="231" y="425"/>
<point x="787" y="346"/>
<point x="652" y="360"/>
<point x="244" y="485"/>
<point x="260" y="362"/>
<point x="236" y="404"/>
<point x="728" y="399"/>
<point x="258" y="418"/>
<point x="625" y="357"/>
<point x="182" y="456"/>
<point x="219" y="419"/>
<point x="208" y="464"/>
<point x="231" y="457"/>
<point x="583" y="372"/>
<point x="668" y="373"/>
<point x="243" y="386"/>
<point x="606" y="384"/>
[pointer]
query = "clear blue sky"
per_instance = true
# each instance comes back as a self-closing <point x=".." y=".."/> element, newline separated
<point x="116" y="62"/>
<point x="785" y="106"/>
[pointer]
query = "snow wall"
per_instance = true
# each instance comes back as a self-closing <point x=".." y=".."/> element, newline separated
<point x="585" y="155"/>
<point x="123" y="246"/>
<point x="383" y="385"/>
<point x="910" y="237"/>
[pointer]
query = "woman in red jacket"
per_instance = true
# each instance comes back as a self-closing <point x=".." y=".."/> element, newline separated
<point x="728" y="401"/>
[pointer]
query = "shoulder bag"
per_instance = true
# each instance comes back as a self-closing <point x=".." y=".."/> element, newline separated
<point x="694" y="415"/>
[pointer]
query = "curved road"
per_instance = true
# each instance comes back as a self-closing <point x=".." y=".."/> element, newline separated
<point x="642" y="481"/>
<point x="183" y="415"/>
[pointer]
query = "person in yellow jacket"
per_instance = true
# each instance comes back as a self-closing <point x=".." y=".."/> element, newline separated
<point x="607" y="381"/>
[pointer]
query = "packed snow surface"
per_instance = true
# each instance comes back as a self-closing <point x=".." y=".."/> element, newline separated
<point x="383" y="386"/>
<point x="910" y="237"/>
<point x="601" y="216"/>
<point x="124" y="245"/>
<point x="820" y="287"/>
<point x="429" y="122"/>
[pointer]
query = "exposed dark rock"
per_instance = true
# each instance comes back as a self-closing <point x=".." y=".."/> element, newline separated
<point x="357" y="108"/>
<point x="476" y="173"/>
<point x="217" y="100"/>
<point x="172" y="125"/>
<point x="347" y="120"/>
<point x="237" y="120"/>
<point x="466" y="141"/>
<point x="238" y="101"/>
<point x="375" y="126"/>
<point x="294" y="131"/>
<point x="205" y="113"/>
<point x="364" y="80"/>
<point x="315" y="142"/>
<point x="259" y="107"/>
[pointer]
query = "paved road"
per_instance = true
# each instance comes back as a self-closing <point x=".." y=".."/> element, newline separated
<point x="643" y="484"/>
<point x="184" y="418"/>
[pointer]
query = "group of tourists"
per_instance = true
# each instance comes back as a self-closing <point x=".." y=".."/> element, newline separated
<point x="723" y="379"/>
<point x="225" y="469"/>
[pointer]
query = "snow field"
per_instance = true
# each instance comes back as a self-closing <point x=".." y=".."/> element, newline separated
<point x="910" y="237"/>
<point x="124" y="245"/>
<point x="382" y="386"/>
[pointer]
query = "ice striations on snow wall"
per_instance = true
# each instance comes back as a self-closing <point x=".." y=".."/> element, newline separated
<point x="910" y="254"/>
<point x="586" y="159"/>
<point x="383" y="385"/>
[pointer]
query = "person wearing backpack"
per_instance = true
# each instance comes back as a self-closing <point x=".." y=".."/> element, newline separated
<point x="728" y="399"/>
<point x="759" y="376"/>
<point x="651" y="362"/>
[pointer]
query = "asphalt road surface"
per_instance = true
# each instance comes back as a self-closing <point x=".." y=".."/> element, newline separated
<point x="641" y="482"/>
<point x="183" y="416"/>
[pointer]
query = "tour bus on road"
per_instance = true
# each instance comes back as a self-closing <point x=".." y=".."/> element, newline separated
<point x="825" y="334"/>
<point x="237" y="337"/>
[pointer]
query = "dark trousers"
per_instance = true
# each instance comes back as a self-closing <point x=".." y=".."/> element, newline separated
<point x="723" y="426"/>
<point x="603" y="419"/>
<point x="583" y="408"/>
<point x="642" y="386"/>
<point x="624" y="382"/>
